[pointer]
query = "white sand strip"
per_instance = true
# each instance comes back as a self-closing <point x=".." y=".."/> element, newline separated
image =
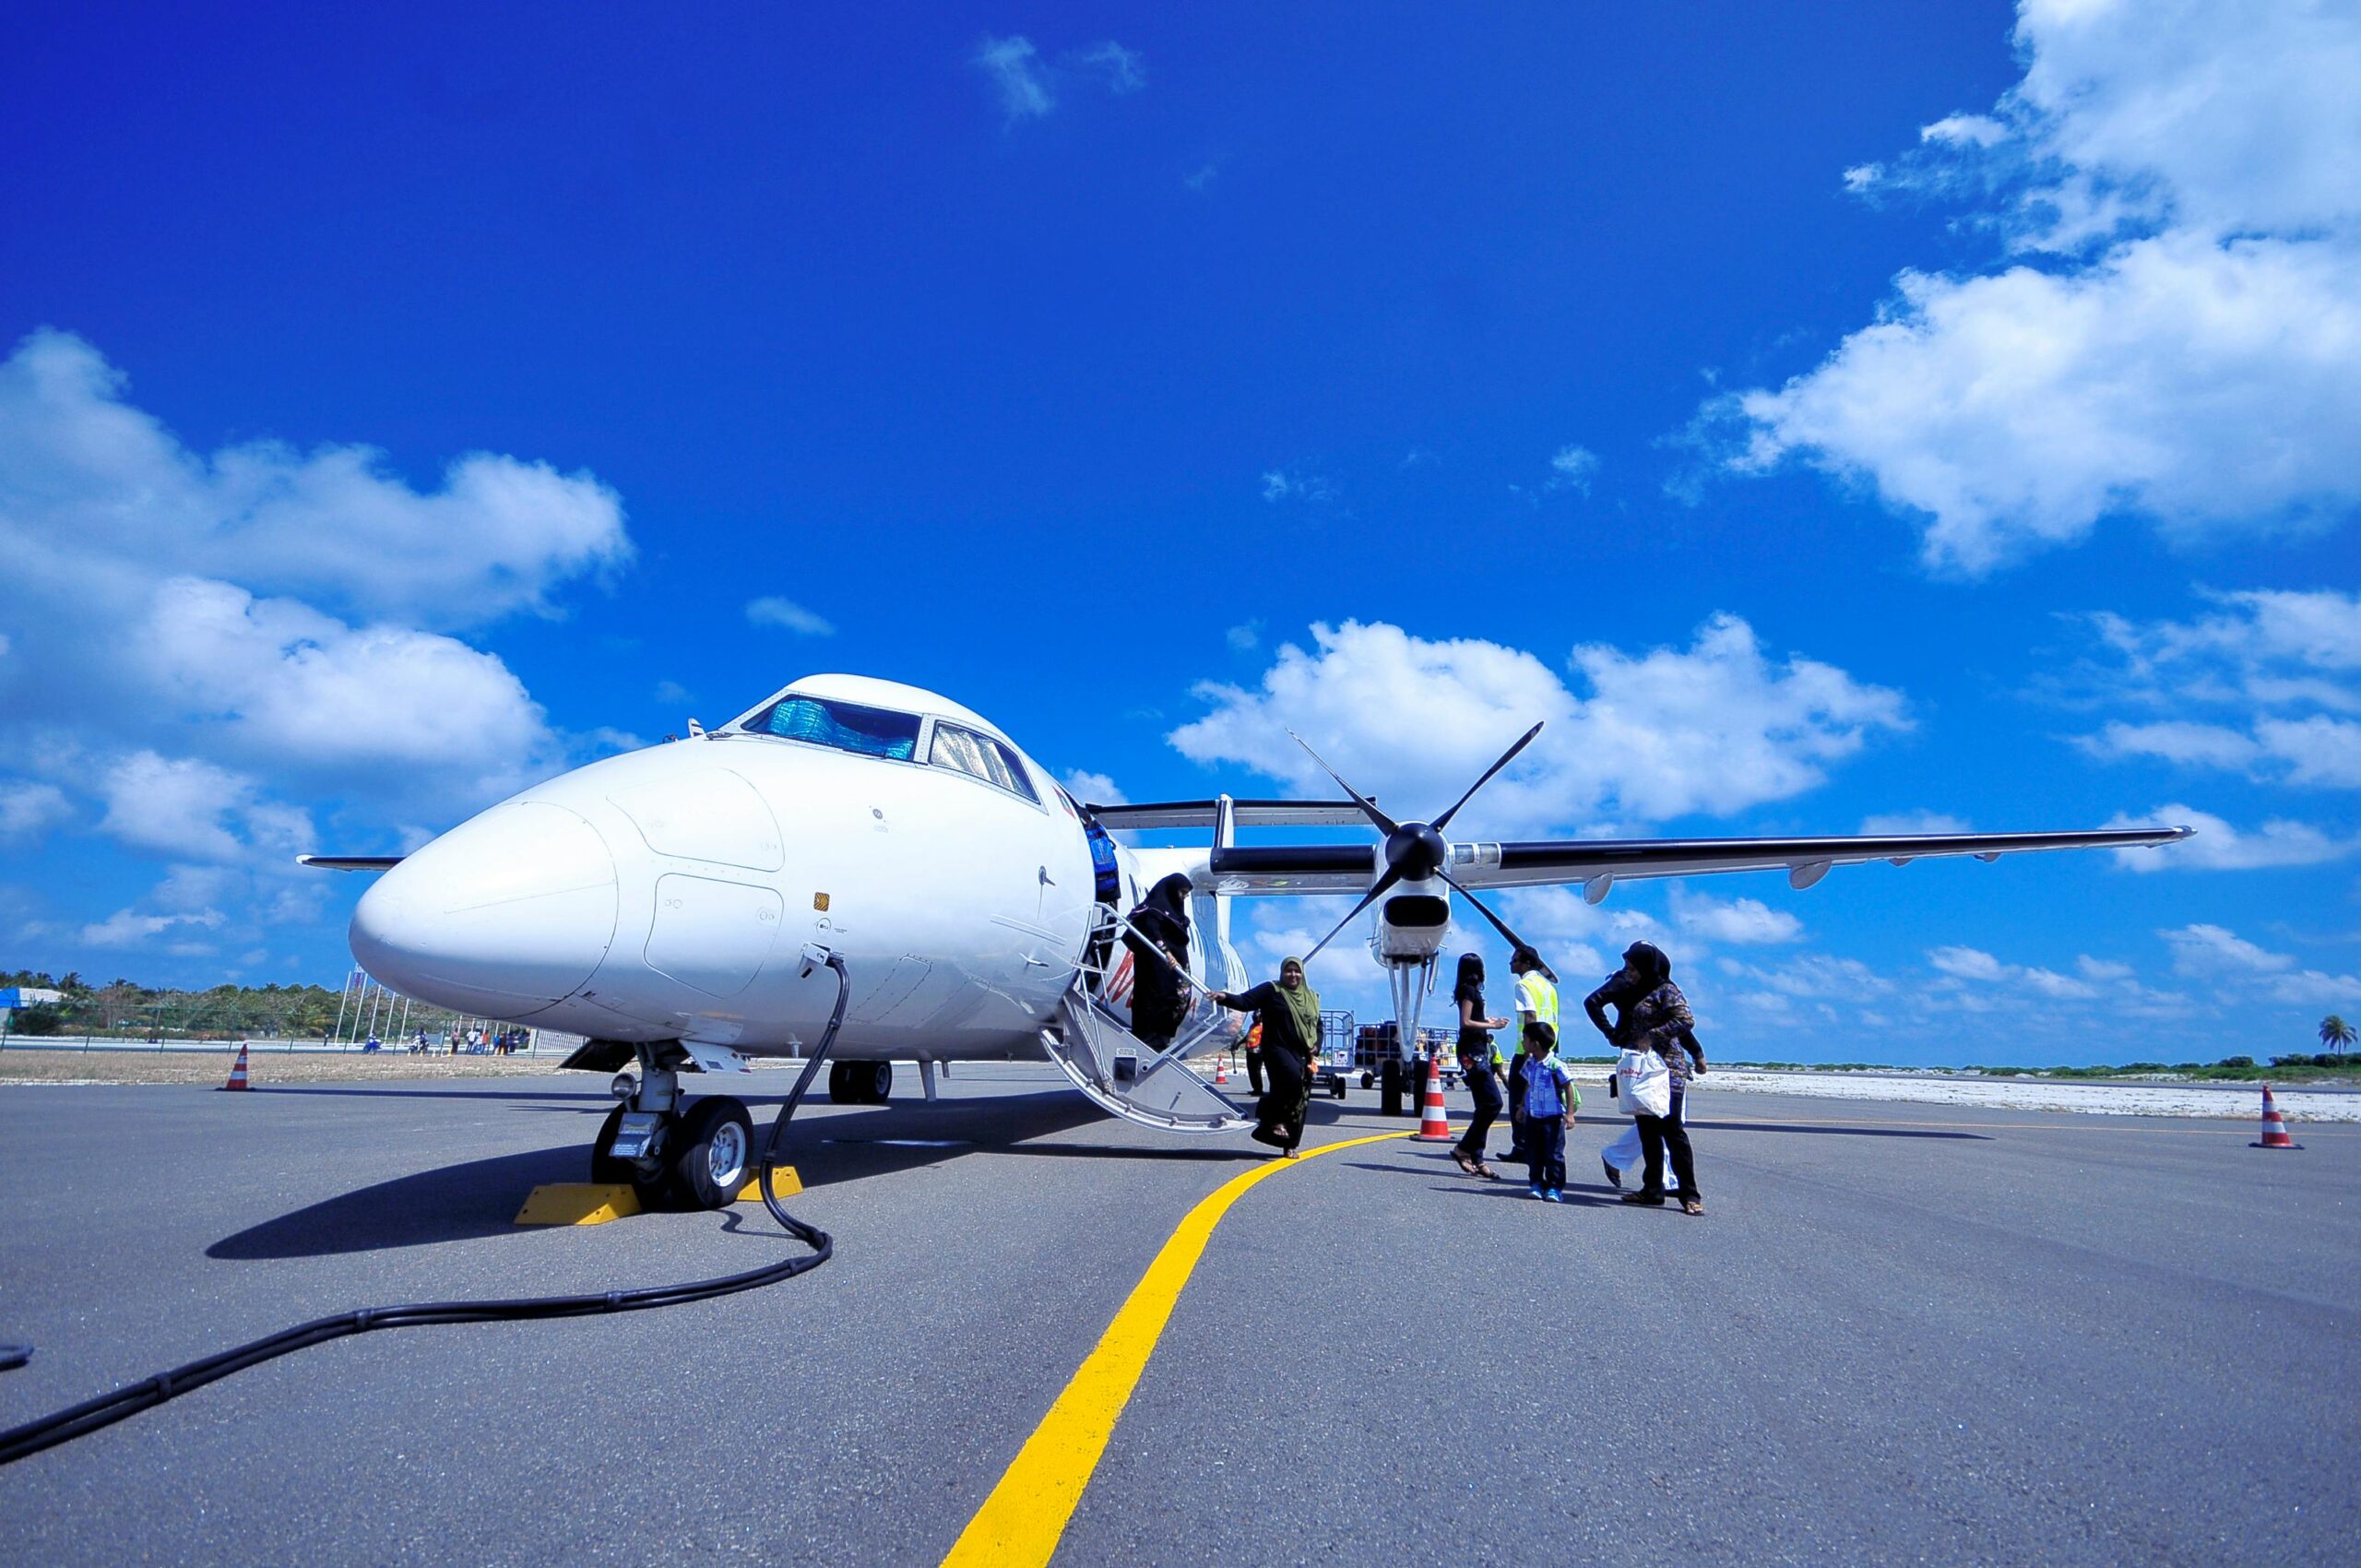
<point x="2023" y="1094"/>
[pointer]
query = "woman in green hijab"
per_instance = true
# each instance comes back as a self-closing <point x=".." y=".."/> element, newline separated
<point x="1290" y="1014"/>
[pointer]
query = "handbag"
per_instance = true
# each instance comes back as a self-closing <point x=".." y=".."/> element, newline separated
<point x="1644" y="1084"/>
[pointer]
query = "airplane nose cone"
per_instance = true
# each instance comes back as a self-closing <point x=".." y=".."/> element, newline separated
<point x="504" y="915"/>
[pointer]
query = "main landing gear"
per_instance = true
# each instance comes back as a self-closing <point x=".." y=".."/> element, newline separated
<point x="674" y="1154"/>
<point x="860" y="1082"/>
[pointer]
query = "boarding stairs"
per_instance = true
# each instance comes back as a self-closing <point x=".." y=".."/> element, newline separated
<point x="1094" y="1046"/>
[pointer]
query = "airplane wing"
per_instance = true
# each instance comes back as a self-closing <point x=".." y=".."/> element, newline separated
<point x="1597" y="863"/>
<point x="349" y="862"/>
<point x="1244" y="814"/>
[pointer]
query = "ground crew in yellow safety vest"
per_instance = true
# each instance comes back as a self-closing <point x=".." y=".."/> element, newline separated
<point x="1536" y="1003"/>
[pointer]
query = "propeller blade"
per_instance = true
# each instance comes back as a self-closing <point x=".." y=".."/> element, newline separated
<point x="1514" y="941"/>
<point x="1384" y="823"/>
<point x="1506" y="757"/>
<point x="1372" y="897"/>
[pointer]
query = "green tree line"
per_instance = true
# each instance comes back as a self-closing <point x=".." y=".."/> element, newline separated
<point x="124" y="1007"/>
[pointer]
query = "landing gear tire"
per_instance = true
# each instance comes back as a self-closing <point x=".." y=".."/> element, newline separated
<point x="604" y="1167"/>
<point x="860" y="1082"/>
<point x="710" y="1155"/>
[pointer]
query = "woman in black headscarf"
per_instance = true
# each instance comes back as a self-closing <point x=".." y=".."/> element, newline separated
<point x="1158" y="1004"/>
<point x="1290" y="1016"/>
<point x="1655" y="1016"/>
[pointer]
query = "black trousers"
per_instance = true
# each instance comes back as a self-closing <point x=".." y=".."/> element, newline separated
<point x="1254" y="1070"/>
<point x="1486" y="1089"/>
<point x="1658" y="1133"/>
<point x="1283" y="1109"/>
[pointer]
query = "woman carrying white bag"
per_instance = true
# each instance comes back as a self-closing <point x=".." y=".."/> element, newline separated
<point x="1657" y="1035"/>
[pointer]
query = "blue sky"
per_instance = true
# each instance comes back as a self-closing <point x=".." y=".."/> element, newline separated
<point x="1820" y="416"/>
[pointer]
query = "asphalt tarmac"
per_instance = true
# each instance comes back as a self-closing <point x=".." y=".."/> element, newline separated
<point x="1904" y="1333"/>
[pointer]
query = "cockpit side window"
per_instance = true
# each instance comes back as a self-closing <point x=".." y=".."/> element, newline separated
<point x="982" y="758"/>
<point x="844" y="726"/>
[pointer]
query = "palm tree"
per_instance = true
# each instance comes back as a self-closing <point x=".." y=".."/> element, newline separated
<point x="2337" y="1034"/>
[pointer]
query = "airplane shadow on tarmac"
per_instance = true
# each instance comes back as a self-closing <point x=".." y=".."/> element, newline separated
<point x="480" y="1197"/>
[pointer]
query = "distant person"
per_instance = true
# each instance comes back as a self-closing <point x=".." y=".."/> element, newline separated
<point x="1289" y="1012"/>
<point x="1158" y="935"/>
<point x="1536" y="1002"/>
<point x="1655" y="1016"/>
<point x="1252" y="1049"/>
<point x="1550" y="1101"/>
<point x="1476" y="1064"/>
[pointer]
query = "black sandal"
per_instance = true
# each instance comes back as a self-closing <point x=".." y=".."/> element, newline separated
<point x="1465" y="1163"/>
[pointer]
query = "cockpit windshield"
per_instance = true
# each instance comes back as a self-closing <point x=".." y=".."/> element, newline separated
<point x="846" y="726"/>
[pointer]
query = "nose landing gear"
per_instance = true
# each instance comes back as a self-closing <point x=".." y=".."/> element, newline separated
<point x="674" y="1154"/>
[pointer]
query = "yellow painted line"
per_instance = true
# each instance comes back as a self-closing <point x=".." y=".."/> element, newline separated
<point x="1021" y="1521"/>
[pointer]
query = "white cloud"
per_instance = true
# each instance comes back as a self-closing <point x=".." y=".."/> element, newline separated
<point x="1245" y="638"/>
<point x="2216" y="954"/>
<point x="2220" y="847"/>
<point x="1815" y="977"/>
<point x="1964" y="130"/>
<point x="259" y="612"/>
<point x="1013" y="66"/>
<point x="128" y="928"/>
<point x="2318" y="750"/>
<point x="1123" y="69"/>
<point x="1967" y="963"/>
<point x="2190" y="350"/>
<point x="1572" y="467"/>
<point x="1093" y="788"/>
<point x="672" y="693"/>
<point x="2280" y="671"/>
<point x="1921" y="822"/>
<point x="184" y="807"/>
<point x="2212" y="950"/>
<point x="1313" y="489"/>
<point x="28" y="810"/>
<point x="787" y="615"/>
<point x="278" y="680"/>
<point x="1716" y="726"/>
<point x="2175" y="740"/>
<point x="87" y="479"/>
<point x="1741" y="922"/>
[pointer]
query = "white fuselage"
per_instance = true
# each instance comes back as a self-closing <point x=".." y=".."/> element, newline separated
<point x="669" y="893"/>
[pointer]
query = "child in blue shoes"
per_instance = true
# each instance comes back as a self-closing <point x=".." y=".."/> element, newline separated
<point x="1550" y="1101"/>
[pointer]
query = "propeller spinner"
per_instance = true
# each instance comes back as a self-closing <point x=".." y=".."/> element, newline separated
<point x="1415" y="851"/>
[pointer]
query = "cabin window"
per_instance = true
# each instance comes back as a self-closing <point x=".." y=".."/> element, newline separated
<point x="982" y="758"/>
<point x="843" y="725"/>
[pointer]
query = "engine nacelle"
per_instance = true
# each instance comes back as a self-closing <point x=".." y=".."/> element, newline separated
<point x="1413" y="920"/>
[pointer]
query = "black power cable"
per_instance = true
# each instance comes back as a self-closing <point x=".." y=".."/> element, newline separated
<point x="65" y="1425"/>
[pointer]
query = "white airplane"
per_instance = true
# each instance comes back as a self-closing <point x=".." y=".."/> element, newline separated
<point x="856" y="851"/>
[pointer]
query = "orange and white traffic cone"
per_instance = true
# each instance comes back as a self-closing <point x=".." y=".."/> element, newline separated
<point x="1221" y="1068"/>
<point x="2275" y="1126"/>
<point x="238" y="1070"/>
<point x="1434" y="1125"/>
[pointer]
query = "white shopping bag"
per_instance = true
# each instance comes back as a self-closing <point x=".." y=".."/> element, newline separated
<point x="1644" y="1084"/>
